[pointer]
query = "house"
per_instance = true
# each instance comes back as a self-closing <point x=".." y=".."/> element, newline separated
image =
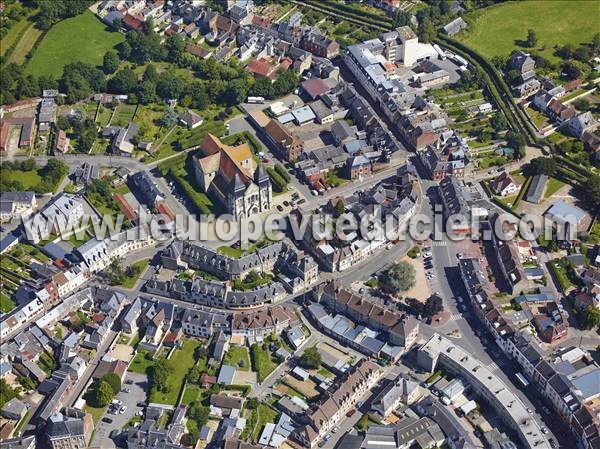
<point x="226" y="375"/>
<point x="123" y="141"/>
<point x="401" y="391"/>
<point x="581" y="123"/>
<point x="320" y="45"/>
<point x="231" y="175"/>
<point x="358" y="167"/>
<point x="262" y="68"/>
<point x="61" y="142"/>
<point x="16" y="204"/>
<point x="536" y="189"/>
<point x="521" y="61"/>
<point x="314" y="88"/>
<point x="70" y="429"/>
<point x="14" y="409"/>
<point x="284" y="142"/>
<point x="323" y="114"/>
<point x="333" y="408"/>
<point x="295" y="336"/>
<point x="504" y="185"/>
<point x="190" y="119"/>
<point x="559" y="111"/>
<point x="342" y="132"/>
<point x="455" y="26"/>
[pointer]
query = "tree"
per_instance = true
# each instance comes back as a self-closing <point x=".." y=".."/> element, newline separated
<point x="117" y="24"/>
<point x="199" y="413"/>
<point x="150" y="73"/>
<point x="62" y="122"/>
<point x="168" y="119"/>
<point x="433" y="306"/>
<point x="582" y="104"/>
<point x="175" y="46"/>
<point x="542" y="166"/>
<point x="146" y="92"/>
<point x="124" y="50"/>
<point x="339" y="207"/>
<point x="114" y="381"/>
<point x="81" y="79"/>
<point x="124" y="82"/>
<point x="595" y="44"/>
<point x="169" y="86"/>
<point x="311" y="359"/>
<point x="103" y="393"/>
<point x="399" y="277"/>
<point x="6" y="393"/>
<point x="498" y="122"/>
<point x="591" y="192"/>
<point x="516" y="142"/>
<point x="28" y="165"/>
<point x="590" y="317"/>
<point x="531" y="38"/>
<point x="161" y="371"/>
<point x="402" y="18"/>
<point x="110" y="62"/>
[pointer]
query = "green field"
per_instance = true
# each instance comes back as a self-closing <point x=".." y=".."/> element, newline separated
<point x="499" y="29"/>
<point x="82" y="38"/>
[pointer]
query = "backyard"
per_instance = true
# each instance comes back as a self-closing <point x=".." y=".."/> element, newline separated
<point x="238" y="356"/>
<point x="261" y="361"/>
<point x="181" y="361"/>
<point x="82" y="38"/>
<point x="498" y="30"/>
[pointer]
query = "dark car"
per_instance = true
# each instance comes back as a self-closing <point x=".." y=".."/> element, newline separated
<point x="107" y="420"/>
<point x="350" y="412"/>
<point x="302" y="201"/>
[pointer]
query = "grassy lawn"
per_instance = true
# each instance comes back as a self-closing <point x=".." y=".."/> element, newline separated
<point x="181" y="361"/>
<point x="146" y="117"/>
<point x="137" y="270"/>
<point x="191" y="393"/>
<point x="6" y="303"/>
<point x="96" y="412"/>
<point x="508" y="201"/>
<point x="560" y="274"/>
<point x="25" y="44"/>
<point x="498" y="30"/>
<point x="552" y="187"/>
<point x="140" y="362"/>
<point x="123" y="115"/>
<point x="15" y="33"/>
<point x="104" y="115"/>
<point x="594" y="236"/>
<point x="265" y="415"/>
<point x="29" y="179"/>
<point x="538" y="118"/>
<point x="238" y="356"/>
<point x="81" y="38"/>
<point x="261" y="361"/>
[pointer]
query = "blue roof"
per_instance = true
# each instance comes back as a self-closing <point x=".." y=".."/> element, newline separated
<point x="564" y="209"/>
<point x="588" y="384"/>
<point x="534" y="298"/>
<point x="226" y="375"/>
<point x="354" y="145"/>
<point x="7" y="242"/>
<point x="204" y="432"/>
<point x="54" y="251"/>
<point x="303" y="114"/>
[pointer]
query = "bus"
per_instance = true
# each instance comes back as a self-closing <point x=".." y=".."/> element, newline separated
<point x="522" y="379"/>
<point x="256" y="100"/>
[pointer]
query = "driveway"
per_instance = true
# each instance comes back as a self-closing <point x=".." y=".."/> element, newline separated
<point x="138" y="391"/>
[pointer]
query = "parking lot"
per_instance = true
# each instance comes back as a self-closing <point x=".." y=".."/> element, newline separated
<point x="138" y="389"/>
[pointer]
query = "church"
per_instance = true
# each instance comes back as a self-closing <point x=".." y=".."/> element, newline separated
<point x="231" y="175"/>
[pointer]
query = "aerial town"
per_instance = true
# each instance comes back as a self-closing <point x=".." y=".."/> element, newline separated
<point x="125" y="124"/>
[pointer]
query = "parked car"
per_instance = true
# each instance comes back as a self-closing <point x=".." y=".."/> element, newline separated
<point x="106" y="419"/>
<point x="544" y="430"/>
<point x="351" y="412"/>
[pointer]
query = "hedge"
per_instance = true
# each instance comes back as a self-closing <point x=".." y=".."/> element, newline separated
<point x="279" y="183"/>
<point x="281" y="170"/>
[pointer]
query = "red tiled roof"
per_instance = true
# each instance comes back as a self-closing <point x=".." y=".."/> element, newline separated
<point x="127" y="209"/>
<point x="263" y="22"/>
<point x="260" y="67"/>
<point x="133" y="22"/>
<point x="315" y="87"/>
<point x="165" y="210"/>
